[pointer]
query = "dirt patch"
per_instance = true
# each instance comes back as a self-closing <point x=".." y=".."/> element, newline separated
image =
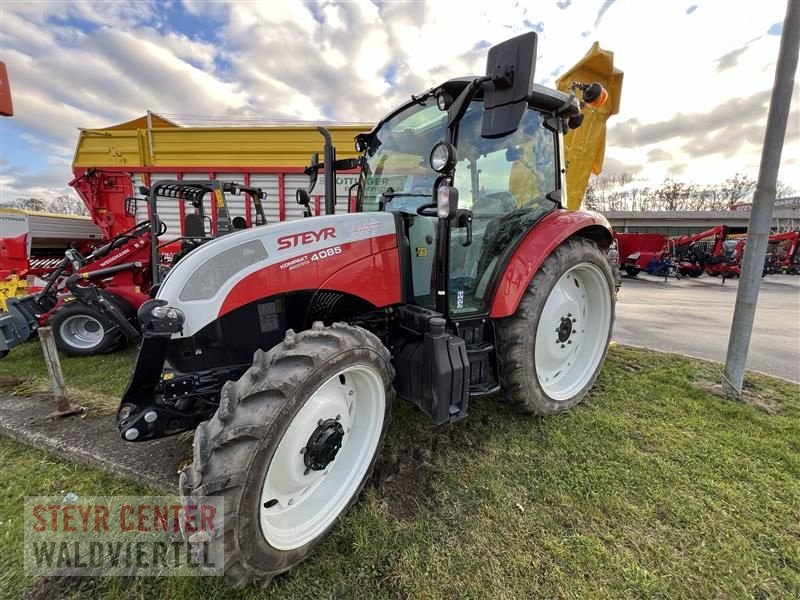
<point x="406" y="469"/>
<point x="405" y="479"/>
<point x="749" y="396"/>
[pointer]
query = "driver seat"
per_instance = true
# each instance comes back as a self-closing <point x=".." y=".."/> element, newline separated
<point x="193" y="226"/>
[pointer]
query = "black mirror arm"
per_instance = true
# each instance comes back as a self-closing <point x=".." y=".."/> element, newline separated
<point x="460" y="104"/>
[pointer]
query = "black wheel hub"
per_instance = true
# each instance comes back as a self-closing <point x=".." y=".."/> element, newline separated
<point x="323" y="445"/>
<point x="565" y="329"/>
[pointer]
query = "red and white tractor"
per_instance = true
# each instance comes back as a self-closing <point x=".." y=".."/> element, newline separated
<point x="458" y="275"/>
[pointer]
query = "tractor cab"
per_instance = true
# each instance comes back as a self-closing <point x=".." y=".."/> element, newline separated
<point x="498" y="186"/>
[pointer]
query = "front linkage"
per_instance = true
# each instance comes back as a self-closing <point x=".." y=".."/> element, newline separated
<point x="157" y="403"/>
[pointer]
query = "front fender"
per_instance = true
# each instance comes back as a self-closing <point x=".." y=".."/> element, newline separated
<point x="536" y="246"/>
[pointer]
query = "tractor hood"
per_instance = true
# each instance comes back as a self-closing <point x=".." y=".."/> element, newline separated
<point x="308" y="254"/>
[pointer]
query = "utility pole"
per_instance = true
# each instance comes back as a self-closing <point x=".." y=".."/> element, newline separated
<point x="763" y="203"/>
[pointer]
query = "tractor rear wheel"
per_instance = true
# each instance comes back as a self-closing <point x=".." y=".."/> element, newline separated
<point x="291" y="446"/>
<point x="552" y="349"/>
<point x="82" y="330"/>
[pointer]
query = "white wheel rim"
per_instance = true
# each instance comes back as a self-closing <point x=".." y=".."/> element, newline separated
<point x="567" y="360"/>
<point x="309" y="501"/>
<point x="82" y="331"/>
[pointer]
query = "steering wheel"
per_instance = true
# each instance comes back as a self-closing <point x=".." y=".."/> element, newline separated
<point x="424" y="210"/>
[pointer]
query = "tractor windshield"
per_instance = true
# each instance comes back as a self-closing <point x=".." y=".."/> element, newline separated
<point x="397" y="157"/>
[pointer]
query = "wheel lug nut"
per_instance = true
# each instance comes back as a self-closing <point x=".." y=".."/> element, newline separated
<point x="574" y="320"/>
<point x="338" y="417"/>
<point x="291" y="501"/>
<point x="569" y="314"/>
<point x="574" y="331"/>
<point x="307" y="471"/>
<point x="320" y="422"/>
<point x="569" y="341"/>
<point x="563" y="346"/>
<point x="303" y="450"/>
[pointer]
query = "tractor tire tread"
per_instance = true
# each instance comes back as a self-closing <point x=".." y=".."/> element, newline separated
<point x="515" y="365"/>
<point x="226" y="444"/>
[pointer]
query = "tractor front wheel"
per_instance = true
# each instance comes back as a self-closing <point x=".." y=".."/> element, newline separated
<point x="291" y="446"/>
<point x="551" y="350"/>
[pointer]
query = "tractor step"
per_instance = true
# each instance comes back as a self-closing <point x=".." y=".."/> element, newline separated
<point x="483" y="389"/>
<point x="481" y="375"/>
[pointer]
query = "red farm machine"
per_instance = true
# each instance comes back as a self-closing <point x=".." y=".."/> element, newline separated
<point x="457" y="273"/>
<point x="782" y="253"/>
<point x="716" y="251"/>
<point x="91" y="294"/>
<point x="645" y="252"/>
<point x="32" y="244"/>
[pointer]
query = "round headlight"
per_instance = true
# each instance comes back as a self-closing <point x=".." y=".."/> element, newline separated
<point x="444" y="100"/>
<point x="443" y="157"/>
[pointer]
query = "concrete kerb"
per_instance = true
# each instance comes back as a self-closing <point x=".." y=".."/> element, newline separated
<point x="95" y="442"/>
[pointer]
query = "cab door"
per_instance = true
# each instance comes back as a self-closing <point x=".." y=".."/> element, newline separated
<point x="504" y="183"/>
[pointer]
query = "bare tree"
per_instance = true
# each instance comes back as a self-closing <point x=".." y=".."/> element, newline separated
<point x="675" y="195"/>
<point x="62" y="205"/>
<point x="68" y="205"/>
<point x="784" y="190"/>
<point x="737" y="188"/>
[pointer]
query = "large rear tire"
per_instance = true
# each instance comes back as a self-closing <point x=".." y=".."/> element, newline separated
<point x="82" y="330"/>
<point x="291" y="446"/>
<point x="553" y="348"/>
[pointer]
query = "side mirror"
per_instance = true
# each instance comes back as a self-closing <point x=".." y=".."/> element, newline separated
<point x="312" y="171"/>
<point x="510" y="67"/>
<point x="303" y="197"/>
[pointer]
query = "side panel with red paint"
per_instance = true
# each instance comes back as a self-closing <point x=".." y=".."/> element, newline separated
<point x="368" y="268"/>
<point x="14" y="255"/>
<point x="535" y="247"/>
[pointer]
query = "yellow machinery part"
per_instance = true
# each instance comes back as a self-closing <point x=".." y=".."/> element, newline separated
<point x="585" y="146"/>
<point x="11" y="287"/>
<point x="165" y="144"/>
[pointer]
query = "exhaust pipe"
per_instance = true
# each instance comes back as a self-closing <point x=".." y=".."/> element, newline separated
<point x="330" y="172"/>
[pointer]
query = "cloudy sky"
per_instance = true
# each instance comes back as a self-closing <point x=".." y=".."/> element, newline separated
<point x="698" y="73"/>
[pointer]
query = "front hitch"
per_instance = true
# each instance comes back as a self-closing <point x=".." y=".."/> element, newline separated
<point x="160" y="402"/>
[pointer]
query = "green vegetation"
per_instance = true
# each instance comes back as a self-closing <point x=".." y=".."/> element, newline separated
<point x="653" y="487"/>
<point x="95" y="381"/>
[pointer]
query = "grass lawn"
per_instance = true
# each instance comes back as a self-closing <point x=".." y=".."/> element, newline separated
<point x="652" y="488"/>
<point x="96" y="381"/>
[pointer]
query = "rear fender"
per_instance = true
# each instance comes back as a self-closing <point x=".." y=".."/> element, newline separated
<point x="536" y="246"/>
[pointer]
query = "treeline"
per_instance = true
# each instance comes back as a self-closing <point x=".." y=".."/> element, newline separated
<point x="62" y="205"/>
<point x="620" y="192"/>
